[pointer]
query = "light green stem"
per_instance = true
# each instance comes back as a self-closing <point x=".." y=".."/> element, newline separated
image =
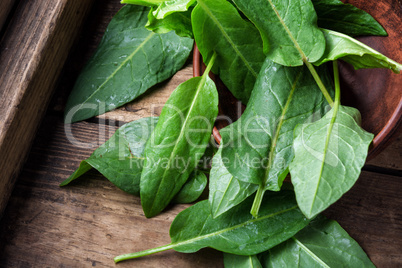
<point x="210" y="64"/>
<point x="337" y="85"/>
<point x="319" y="83"/>
<point x="135" y="255"/>
<point x="257" y="201"/>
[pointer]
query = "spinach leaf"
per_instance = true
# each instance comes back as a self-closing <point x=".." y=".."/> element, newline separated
<point x="163" y="7"/>
<point x="340" y="46"/>
<point x="178" y="141"/>
<point x="345" y="18"/>
<point x="235" y="232"/>
<point x="179" y="22"/>
<point x="323" y="243"/>
<point x="148" y="3"/>
<point x="288" y="29"/>
<point x="329" y="155"/>
<point x="206" y="160"/>
<point x="129" y="60"/>
<point x="226" y="191"/>
<point x="192" y="189"/>
<point x="237" y="261"/>
<point x="258" y="146"/>
<point x="218" y="27"/>
<point x="172" y="6"/>
<point x="120" y="159"/>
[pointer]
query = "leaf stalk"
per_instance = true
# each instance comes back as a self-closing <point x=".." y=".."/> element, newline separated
<point x="319" y="83"/>
<point x="257" y="201"/>
<point x="135" y="255"/>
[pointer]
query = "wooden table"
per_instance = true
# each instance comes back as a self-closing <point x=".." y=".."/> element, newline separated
<point x="91" y="221"/>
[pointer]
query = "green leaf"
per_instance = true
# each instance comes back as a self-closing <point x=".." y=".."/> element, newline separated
<point x="192" y="189"/>
<point x="120" y="159"/>
<point x="178" y="142"/>
<point x="206" y="160"/>
<point x="226" y="191"/>
<point x="237" y="261"/>
<point x="329" y="155"/>
<point x="258" y="146"/>
<point x="340" y="46"/>
<point x="345" y="18"/>
<point x="219" y="28"/>
<point x="179" y="22"/>
<point x="288" y="29"/>
<point x="172" y="6"/>
<point x="323" y="243"/>
<point x="236" y="231"/>
<point x="129" y="60"/>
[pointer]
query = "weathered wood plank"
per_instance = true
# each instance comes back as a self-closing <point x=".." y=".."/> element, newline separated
<point x="91" y="221"/>
<point x="32" y="52"/>
<point x="87" y="223"/>
<point x="391" y="157"/>
<point x="5" y="7"/>
<point x="371" y="213"/>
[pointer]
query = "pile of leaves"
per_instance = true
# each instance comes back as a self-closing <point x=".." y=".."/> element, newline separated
<point x="273" y="56"/>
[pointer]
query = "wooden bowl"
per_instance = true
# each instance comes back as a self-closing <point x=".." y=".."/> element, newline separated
<point x="376" y="93"/>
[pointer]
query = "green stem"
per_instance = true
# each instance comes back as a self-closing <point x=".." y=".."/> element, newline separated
<point x="337" y="84"/>
<point x="319" y="83"/>
<point x="257" y="201"/>
<point x="210" y="64"/>
<point x="134" y="255"/>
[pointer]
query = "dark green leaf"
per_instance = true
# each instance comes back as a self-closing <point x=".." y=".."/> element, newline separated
<point x="329" y="155"/>
<point x="237" y="261"/>
<point x="206" y="160"/>
<point x="340" y="46"/>
<point x="120" y="159"/>
<point x="345" y="18"/>
<point x="258" y="147"/>
<point x="192" y="189"/>
<point x="219" y="28"/>
<point x="323" y="243"/>
<point x="236" y="231"/>
<point x="288" y="29"/>
<point x="226" y="191"/>
<point x="129" y="60"/>
<point x="178" y="142"/>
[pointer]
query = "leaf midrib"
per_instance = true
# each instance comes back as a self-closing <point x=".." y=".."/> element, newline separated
<point x="117" y="69"/>
<point x="297" y="46"/>
<point x="199" y="86"/>
<point x="331" y="125"/>
<point x="278" y="129"/>
<point x="192" y="240"/>
<point x="310" y="253"/>
<point x="227" y="37"/>
<point x="224" y="194"/>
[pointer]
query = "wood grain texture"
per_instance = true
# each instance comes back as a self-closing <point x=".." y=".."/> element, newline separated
<point x="32" y="53"/>
<point x="5" y="7"/>
<point x="390" y="158"/>
<point x="87" y="223"/>
<point x="91" y="221"/>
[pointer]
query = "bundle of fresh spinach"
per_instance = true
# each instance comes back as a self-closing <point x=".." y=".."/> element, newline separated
<point x="272" y="56"/>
